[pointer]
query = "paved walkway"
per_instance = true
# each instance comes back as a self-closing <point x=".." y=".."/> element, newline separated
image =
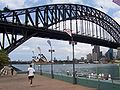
<point x="20" y="82"/>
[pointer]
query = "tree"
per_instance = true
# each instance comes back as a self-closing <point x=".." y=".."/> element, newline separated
<point x="4" y="59"/>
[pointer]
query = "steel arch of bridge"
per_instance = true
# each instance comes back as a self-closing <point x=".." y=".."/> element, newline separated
<point x="29" y="22"/>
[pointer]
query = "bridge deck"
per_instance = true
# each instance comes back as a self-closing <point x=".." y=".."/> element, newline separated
<point x="20" y="82"/>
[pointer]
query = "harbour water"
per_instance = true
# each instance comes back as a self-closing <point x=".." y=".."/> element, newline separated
<point x="81" y="69"/>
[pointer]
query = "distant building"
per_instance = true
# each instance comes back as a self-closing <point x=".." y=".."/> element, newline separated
<point x="118" y="53"/>
<point x="82" y="58"/>
<point x="96" y="54"/>
<point x="109" y="54"/>
<point x="68" y="58"/>
<point x="89" y="56"/>
<point x="114" y="55"/>
<point x="96" y="49"/>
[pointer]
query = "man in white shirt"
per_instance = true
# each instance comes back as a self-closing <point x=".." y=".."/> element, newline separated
<point x="31" y="72"/>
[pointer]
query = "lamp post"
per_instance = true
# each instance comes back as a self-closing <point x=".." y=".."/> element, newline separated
<point x="34" y="57"/>
<point x="69" y="32"/>
<point x="51" y="51"/>
<point x="40" y="60"/>
<point x="74" y="78"/>
<point x="74" y="72"/>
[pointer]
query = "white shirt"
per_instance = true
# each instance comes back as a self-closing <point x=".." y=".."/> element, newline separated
<point x="31" y="71"/>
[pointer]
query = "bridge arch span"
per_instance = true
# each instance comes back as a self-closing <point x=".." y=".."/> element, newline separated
<point x="46" y="16"/>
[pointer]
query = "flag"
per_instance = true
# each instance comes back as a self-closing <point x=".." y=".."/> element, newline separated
<point x="68" y="31"/>
<point x="117" y="2"/>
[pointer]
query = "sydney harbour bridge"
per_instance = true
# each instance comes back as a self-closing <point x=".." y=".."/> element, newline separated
<point x="87" y="24"/>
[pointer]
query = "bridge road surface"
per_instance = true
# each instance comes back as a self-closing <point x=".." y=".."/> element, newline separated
<point x="20" y="82"/>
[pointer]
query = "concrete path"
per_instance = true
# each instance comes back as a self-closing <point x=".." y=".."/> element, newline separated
<point x="20" y="82"/>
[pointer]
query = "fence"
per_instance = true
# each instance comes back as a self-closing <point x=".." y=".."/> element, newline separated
<point x="102" y="77"/>
<point x="94" y="83"/>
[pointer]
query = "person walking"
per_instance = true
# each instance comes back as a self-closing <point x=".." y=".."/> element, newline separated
<point x="31" y="72"/>
<point x="12" y="71"/>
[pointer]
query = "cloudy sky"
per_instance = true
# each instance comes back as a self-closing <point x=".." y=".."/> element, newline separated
<point x="62" y="48"/>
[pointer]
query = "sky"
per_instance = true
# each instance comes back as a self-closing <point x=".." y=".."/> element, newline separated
<point x="62" y="48"/>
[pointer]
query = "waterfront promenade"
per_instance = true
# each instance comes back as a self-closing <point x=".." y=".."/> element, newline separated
<point x="20" y="82"/>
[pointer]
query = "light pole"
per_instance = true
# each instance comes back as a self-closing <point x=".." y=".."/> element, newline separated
<point x="51" y="51"/>
<point x="74" y="78"/>
<point x="34" y="57"/>
<point x="40" y="60"/>
<point x="69" y="32"/>
<point x="74" y="72"/>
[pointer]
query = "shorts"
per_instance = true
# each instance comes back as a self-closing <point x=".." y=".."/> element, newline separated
<point x="30" y="77"/>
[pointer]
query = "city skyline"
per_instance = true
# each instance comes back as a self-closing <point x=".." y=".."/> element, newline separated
<point x="62" y="48"/>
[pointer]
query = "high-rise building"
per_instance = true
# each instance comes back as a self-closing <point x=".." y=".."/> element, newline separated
<point x="94" y="56"/>
<point x="109" y="54"/>
<point x="96" y="49"/>
<point x="89" y="57"/>
<point x="96" y="53"/>
<point x="118" y="53"/>
<point x="68" y="58"/>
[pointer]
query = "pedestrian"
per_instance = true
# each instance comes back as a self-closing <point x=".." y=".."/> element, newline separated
<point x="12" y="70"/>
<point x="31" y="72"/>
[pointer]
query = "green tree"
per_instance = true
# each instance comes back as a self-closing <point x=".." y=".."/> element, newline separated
<point x="4" y="59"/>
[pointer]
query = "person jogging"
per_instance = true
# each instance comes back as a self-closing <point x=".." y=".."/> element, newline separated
<point x="31" y="72"/>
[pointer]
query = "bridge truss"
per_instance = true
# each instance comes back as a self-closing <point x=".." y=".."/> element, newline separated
<point x="88" y="25"/>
